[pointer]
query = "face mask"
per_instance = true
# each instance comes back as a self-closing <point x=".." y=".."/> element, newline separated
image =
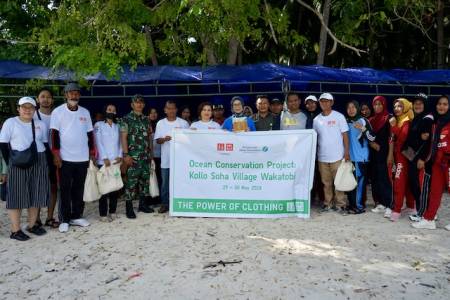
<point x="111" y="116"/>
<point x="72" y="102"/>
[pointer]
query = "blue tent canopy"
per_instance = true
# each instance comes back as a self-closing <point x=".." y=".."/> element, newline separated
<point x="247" y="73"/>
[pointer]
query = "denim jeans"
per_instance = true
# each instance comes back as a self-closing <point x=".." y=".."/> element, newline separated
<point x="165" y="174"/>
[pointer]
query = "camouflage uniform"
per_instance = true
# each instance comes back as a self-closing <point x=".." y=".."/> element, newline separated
<point x="139" y="148"/>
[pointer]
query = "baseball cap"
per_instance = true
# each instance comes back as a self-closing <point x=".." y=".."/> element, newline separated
<point x="25" y="100"/>
<point x="276" y="100"/>
<point x="71" y="86"/>
<point x="326" y="96"/>
<point x="421" y="96"/>
<point x="217" y="106"/>
<point x="312" y="98"/>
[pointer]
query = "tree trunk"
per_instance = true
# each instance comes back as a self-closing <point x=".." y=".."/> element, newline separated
<point x="148" y="35"/>
<point x="240" y="58"/>
<point x="232" y="51"/>
<point x="323" y="32"/>
<point x="210" y="55"/>
<point x="295" y="56"/>
<point x="440" y="34"/>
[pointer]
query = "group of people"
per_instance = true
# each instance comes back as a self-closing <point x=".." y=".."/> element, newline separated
<point x="404" y="155"/>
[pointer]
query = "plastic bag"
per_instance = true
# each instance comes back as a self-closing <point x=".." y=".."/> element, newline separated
<point x="109" y="179"/>
<point x="153" y="188"/>
<point x="345" y="180"/>
<point x="91" y="192"/>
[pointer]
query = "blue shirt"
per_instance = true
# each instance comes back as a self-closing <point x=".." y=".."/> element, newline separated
<point x="228" y="124"/>
<point x="359" y="145"/>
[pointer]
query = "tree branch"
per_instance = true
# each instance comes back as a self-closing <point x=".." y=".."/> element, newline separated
<point x="270" y="22"/>
<point x="18" y="42"/>
<point x="330" y="33"/>
<point x="415" y="25"/>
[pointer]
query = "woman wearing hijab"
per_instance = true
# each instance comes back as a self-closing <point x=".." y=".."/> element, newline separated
<point x="379" y="148"/>
<point x="400" y="125"/>
<point x="238" y="122"/>
<point x="359" y="136"/>
<point x="416" y="150"/>
<point x="439" y="161"/>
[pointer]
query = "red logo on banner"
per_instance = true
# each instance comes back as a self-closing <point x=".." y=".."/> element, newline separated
<point x="229" y="147"/>
<point x="220" y="147"/>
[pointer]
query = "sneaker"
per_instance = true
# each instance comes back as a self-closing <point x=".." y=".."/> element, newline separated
<point x="37" y="230"/>
<point x="113" y="216"/>
<point x="342" y="211"/>
<point x="325" y="209"/>
<point x="415" y="218"/>
<point x="19" y="235"/>
<point x="79" y="222"/>
<point x="410" y="211"/>
<point x="424" y="224"/>
<point x="105" y="219"/>
<point x="163" y="209"/>
<point x="63" y="227"/>
<point x="379" y="209"/>
<point x="387" y="213"/>
<point x="358" y="211"/>
<point x="394" y="216"/>
<point x="447" y="227"/>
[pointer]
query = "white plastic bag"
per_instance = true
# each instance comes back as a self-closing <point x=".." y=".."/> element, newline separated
<point x="91" y="192"/>
<point x="345" y="180"/>
<point x="109" y="179"/>
<point x="153" y="187"/>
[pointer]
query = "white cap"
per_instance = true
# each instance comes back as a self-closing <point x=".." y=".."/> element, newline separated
<point x="326" y="96"/>
<point x="25" y="100"/>
<point x="312" y="98"/>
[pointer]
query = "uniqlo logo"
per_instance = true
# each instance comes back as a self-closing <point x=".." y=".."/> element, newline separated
<point x="229" y="147"/>
<point x="221" y="147"/>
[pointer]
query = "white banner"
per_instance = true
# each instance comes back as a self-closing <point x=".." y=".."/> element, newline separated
<point x="214" y="173"/>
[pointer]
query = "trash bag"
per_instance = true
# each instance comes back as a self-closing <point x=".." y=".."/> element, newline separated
<point x="153" y="187"/>
<point x="345" y="180"/>
<point x="109" y="179"/>
<point x="91" y="192"/>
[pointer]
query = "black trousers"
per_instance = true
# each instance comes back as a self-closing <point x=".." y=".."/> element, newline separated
<point x="103" y="203"/>
<point x="381" y="184"/>
<point x="73" y="175"/>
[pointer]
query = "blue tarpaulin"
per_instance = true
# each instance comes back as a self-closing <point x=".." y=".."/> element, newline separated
<point x="247" y="73"/>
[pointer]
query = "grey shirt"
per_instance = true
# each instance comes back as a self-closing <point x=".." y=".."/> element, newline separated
<point x="291" y="121"/>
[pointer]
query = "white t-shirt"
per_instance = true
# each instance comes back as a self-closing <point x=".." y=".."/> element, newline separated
<point x="73" y="127"/>
<point x="20" y="135"/>
<point x="164" y="128"/>
<point x="329" y="136"/>
<point x="107" y="141"/>
<point x="206" y="125"/>
<point x="46" y="119"/>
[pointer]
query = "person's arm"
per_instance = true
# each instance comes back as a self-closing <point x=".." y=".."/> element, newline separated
<point x="346" y="146"/>
<point x="251" y="124"/>
<point x="390" y="157"/>
<point x="4" y="148"/>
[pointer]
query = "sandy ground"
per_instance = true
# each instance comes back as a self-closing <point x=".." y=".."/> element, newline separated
<point x="159" y="257"/>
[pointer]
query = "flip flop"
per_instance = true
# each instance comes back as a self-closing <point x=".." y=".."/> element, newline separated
<point x="52" y="223"/>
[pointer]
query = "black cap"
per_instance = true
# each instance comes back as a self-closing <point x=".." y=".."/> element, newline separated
<point x="421" y="96"/>
<point x="217" y="106"/>
<point x="276" y="100"/>
<point x="71" y="86"/>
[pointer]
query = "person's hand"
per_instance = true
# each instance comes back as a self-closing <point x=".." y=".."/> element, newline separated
<point x="92" y="158"/>
<point x="128" y="160"/>
<point x="167" y="138"/>
<point x="347" y="156"/>
<point x="192" y="128"/>
<point x="425" y="136"/>
<point x="420" y="164"/>
<point x="117" y="160"/>
<point x="375" y="146"/>
<point x="358" y="125"/>
<point x="106" y="162"/>
<point x="57" y="161"/>
<point x="2" y="178"/>
<point x="393" y="121"/>
<point x="390" y="159"/>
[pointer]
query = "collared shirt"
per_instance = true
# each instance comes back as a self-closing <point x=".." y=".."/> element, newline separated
<point x="107" y="141"/>
<point x="139" y="135"/>
<point x="264" y="123"/>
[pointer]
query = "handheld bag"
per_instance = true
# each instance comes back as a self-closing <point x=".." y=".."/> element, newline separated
<point x="91" y="192"/>
<point x="109" y="179"/>
<point x="153" y="188"/>
<point x="345" y="180"/>
<point x="26" y="158"/>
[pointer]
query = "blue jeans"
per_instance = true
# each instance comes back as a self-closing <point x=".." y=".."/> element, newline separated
<point x="165" y="174"/>
<point x="356" y="196"/>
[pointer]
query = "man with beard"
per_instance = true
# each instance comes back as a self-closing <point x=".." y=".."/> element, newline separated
<point x="72" y="147"/>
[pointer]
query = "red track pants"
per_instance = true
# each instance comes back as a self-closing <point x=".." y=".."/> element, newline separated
<point x="439" y="182"/>
<point x="401" y="185"/>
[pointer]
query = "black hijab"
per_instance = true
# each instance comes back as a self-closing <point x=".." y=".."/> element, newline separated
<point x="440" y="121"/>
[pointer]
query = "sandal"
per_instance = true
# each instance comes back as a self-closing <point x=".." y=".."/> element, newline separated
<point x="38" y="223"/>
<point x="52" y="223"/>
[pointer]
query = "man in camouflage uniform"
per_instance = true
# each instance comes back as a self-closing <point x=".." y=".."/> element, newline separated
<point x="135" y="134"/>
